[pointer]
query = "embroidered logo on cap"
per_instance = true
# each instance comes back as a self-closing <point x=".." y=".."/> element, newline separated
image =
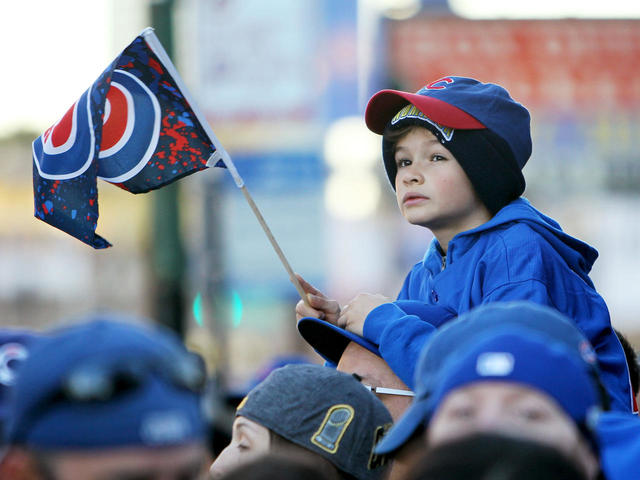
<point x="333" y="427"/>
<point x="438" y="84"/>
<point x="499" y="364"/>
<point x="165" y="427"/>
<point x="411" y="111"/>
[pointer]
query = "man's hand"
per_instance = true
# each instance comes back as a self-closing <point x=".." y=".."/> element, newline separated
<point x="355" y="312"/>
<point x="321" y="306"/>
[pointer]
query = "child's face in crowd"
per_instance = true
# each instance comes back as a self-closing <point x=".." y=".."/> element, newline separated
<point x="509" y="409"/>
<point x="432" y="189"/>
<point x="249" y="440"/>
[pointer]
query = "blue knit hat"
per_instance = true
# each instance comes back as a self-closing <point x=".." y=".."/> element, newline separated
<point x="108" y="383"/>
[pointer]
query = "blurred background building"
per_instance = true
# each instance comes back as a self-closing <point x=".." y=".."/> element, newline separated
<point x="284" y="83"/>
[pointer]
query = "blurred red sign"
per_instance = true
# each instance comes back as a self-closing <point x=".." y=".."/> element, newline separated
<point x="564" y="63"/>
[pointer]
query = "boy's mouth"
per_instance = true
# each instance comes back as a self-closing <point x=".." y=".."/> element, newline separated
<point x="413" y="198"/>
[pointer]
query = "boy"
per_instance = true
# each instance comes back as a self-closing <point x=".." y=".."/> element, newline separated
<point x="454" y="152"/>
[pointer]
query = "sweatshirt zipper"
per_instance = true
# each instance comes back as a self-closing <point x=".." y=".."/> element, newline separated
<point x="444" y="261"/>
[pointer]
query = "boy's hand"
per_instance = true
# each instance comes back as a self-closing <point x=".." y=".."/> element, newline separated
<point x="356" y="311"/>
<point x="322" y="307"/>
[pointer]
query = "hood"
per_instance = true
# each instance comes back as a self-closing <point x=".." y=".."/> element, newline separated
<point x="579" y="255"/>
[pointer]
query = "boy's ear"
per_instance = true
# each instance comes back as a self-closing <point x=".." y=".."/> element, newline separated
<point x="18" y="464"/>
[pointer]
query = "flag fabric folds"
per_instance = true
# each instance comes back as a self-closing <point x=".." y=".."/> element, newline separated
<point x="135" y="127"/>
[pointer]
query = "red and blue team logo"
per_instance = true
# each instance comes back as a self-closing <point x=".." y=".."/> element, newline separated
<point x="130" y="131"/>
<point x="439" y="84"/>
<point x="131" y="127"/>
<point x="66" y="149"/>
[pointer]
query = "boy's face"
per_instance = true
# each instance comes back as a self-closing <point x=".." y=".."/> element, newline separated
<point x="432" y="189"/>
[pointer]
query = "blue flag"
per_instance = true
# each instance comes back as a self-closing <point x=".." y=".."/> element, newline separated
<point x="135" y="127"/>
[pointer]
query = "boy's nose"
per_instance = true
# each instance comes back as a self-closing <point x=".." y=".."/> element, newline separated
<point x="411" y="175"/>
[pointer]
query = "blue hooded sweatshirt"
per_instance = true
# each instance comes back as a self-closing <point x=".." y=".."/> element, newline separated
<point x="520" y="254"/>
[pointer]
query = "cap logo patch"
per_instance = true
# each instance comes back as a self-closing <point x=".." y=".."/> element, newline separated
<point x="333" y="427"/>
<point x="242" y="403"/>
<point x="498" y="364"/>
<point x="438" y="84"/>
<point x="158" y="428"/>
<point x="376" y="460"/>
<point x="411" y="111"/>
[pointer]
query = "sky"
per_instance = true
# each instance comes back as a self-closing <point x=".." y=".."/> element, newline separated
<point x="52" y="51"/>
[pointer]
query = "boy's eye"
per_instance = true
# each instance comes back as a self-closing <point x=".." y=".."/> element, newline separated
<point x="403" y="162"/>
<point x="437" y="158"/>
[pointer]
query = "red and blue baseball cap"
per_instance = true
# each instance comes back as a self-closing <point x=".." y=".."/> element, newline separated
<point x="487" y="131"/>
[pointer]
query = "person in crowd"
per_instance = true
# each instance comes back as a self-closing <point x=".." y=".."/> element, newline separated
<point x="454" y="153"/>
<point x="107" y="399"/>
<point x="351" y="353"/>
<point x="311" y="409"/>
<point x="521" y="370"/>
<point x="230" y="398"/>
<point x="490" y="456"/>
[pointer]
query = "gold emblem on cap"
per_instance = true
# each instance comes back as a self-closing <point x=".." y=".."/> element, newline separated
<point x="333" y="427"/>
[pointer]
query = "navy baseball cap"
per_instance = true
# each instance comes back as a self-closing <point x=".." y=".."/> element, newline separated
<point x="329" y="340"/>
<point x="108" y="383"/>
<point x="508" y="354"/>
<point x="456" y="335"/>
<point x="459" y="103"/>
<point x="325" y="411"/>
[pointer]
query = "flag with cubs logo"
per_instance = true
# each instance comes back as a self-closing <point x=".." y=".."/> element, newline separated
<point x="135" y="127"/>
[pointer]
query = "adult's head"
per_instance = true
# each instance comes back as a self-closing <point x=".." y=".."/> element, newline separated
<point x="310" y="408"/>
<point x="107" y="399"/>
<point x="354" y="354"/>
<point x="530" y="380"/>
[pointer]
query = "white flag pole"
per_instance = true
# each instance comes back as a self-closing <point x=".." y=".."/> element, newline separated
<point x="221" y="154"/>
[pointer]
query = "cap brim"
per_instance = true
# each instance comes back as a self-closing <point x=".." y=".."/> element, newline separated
<point x="383" y="106"/>
<point x="329" y="340"/>
<point x="404" y="428"/>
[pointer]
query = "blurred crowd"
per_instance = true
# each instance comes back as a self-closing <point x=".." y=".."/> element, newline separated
<point x="507" y="391"/>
